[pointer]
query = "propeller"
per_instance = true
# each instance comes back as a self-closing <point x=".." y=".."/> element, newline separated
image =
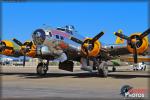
<point x="145" y="33"/>
<point x="25" y="47"/>
<point x="88" y="44"/>
<point x="97" y="37"/>
<point x="135" y="41"/>
<point x="76" y="40"/>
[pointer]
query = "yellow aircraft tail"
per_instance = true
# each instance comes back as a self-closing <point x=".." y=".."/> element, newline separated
<point x="118" y="39"/>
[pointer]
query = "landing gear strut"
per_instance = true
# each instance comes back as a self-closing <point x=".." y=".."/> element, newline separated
<point x="103" y="69"/>
<point x="113" y="68"/>
<point x="42" y="68"/>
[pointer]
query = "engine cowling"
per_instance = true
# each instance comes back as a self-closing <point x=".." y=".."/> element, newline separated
<point x="93" y="49"/>
<point x="31" y="50"/>
<point x="7" y="47"/>
<point x="142" y="45"/>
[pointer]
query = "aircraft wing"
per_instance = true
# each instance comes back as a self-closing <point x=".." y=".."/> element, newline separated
<point x="119" y="51"/>
<point x="116" y="50"/>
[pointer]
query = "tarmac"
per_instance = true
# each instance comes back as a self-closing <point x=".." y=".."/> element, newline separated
<point x="23" y="83"/>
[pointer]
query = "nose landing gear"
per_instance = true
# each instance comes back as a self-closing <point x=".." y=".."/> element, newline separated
<point x="103" y="69"/>
<point x="42" y="68"/>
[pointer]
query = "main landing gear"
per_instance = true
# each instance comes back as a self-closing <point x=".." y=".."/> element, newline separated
<point x="103" y="69"/>
<point x="113" y="68"/>
<point x="42" y="68"/>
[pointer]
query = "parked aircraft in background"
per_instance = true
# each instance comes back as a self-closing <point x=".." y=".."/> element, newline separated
<point x="65" y="45"/>
<point x="5" y="61"/>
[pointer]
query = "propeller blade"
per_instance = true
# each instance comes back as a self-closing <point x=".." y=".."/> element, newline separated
<point x="145" y="33"/>
<point x="17" y="42"/>
<point x="88" y="62"/>
<point x="86" y="50"/>
<point x="97" y="37"/>
<point x="76" y="40"/>
<point x="24" y="60"/>
<point x="122" y="36"/>
<point x="135" y="54"/>
<point x="30" y="44"/>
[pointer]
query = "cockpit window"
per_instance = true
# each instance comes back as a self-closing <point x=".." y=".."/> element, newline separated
<point x="57" y="36"/>
<point x="62" y="29"/>
<point x="68" y="28"/>
<point x="61" y="37"/>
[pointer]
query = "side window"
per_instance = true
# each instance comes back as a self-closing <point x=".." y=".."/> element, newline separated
<point x="57" y="36"/>
<point x="61" y="37"/>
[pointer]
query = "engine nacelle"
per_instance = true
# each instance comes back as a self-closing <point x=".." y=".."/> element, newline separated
<point x="142" y="46"/>
<point x="32" y="51"/>
<point x="7" y="48"/>
<point x="95" y="49"/>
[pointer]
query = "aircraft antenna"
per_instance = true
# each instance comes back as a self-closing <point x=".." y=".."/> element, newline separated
<point x="46" y="26"/>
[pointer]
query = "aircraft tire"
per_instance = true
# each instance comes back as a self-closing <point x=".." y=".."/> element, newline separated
<point x="113" y="69"/>
<point x="103" y="69"/>
<point x="42" y="69"/>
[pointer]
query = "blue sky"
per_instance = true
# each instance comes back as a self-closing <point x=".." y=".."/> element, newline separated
<point x="19" y="20"/>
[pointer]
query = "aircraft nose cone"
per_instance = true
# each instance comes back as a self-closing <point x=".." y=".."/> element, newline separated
<point x="38" y="36"/>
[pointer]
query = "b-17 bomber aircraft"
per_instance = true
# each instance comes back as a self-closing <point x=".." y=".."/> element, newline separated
<point x="65" y="45"/>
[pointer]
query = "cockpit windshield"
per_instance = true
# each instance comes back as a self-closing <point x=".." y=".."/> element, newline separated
<point x="68" y="28"/>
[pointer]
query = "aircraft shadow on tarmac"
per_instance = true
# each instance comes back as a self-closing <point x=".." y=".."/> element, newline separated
<point x="120" y="75"/>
